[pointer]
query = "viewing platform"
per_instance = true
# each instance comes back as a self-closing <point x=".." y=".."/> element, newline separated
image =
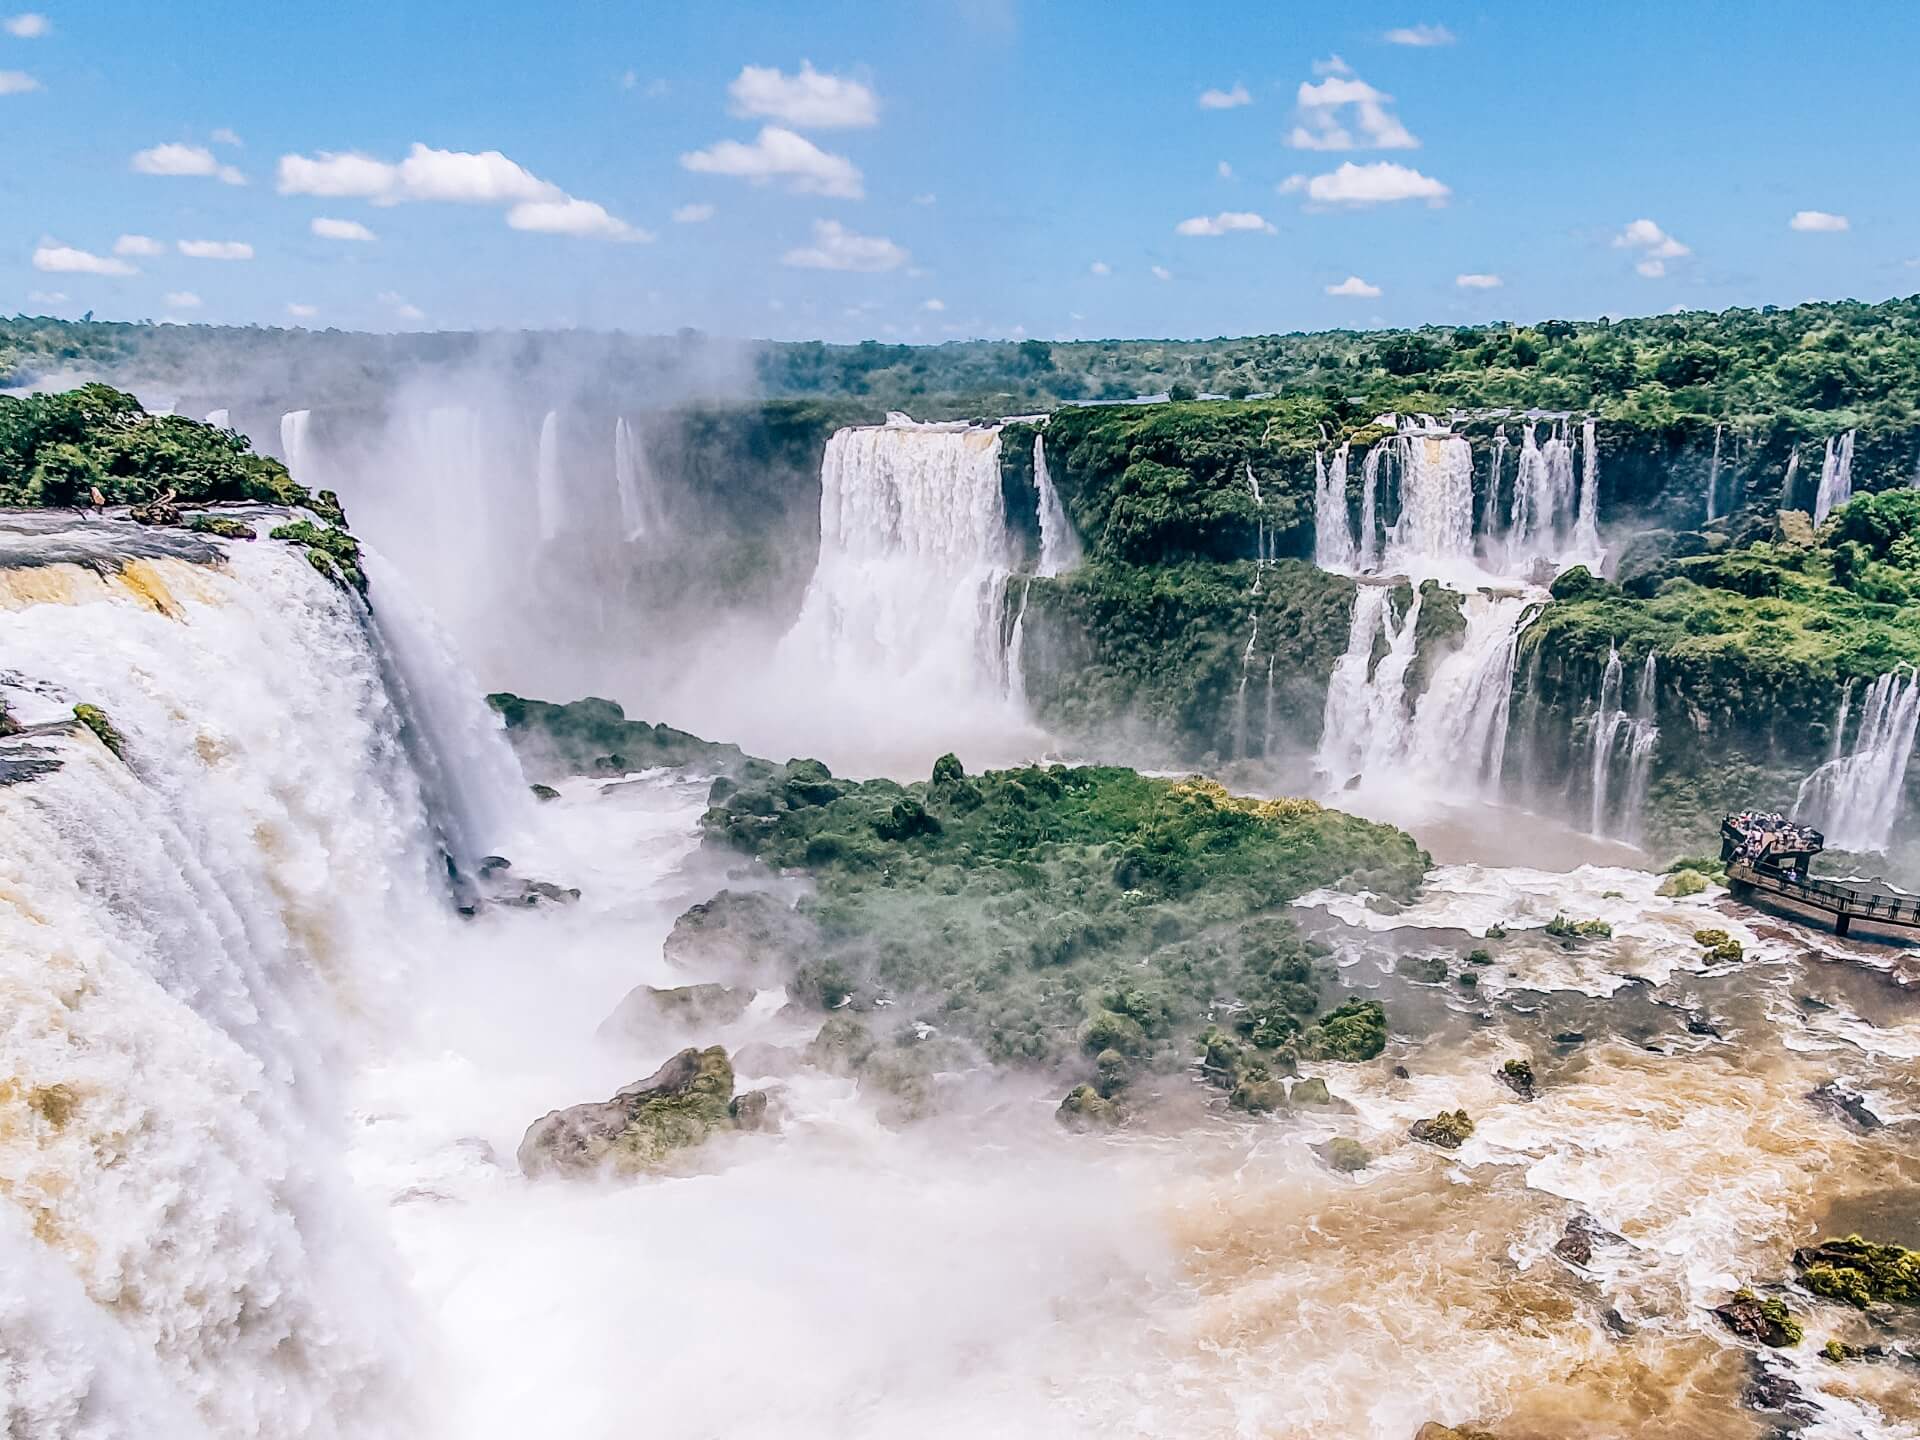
<point x="1767" y="855"/>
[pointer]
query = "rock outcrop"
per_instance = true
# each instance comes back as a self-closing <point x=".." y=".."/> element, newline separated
<point x="643" y="1126"/>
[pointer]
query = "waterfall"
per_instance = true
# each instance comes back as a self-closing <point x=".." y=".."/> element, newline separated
<point x="908" y="591"/>
<point x="1836" y="478"/>
<point x="1490" y="513"/>
<point x="1333" y="542"/>
<point x="1855" y="797"/>
<point x="1240" y="695"/>
<point x="1017" y="653"/>
<point x="1436" y="498"/>
<point x="1786" y="481"/>
<point x="1266" y="735"/>
<point x="1365" y="722"/>
<point x="293" y="443"/>
<point x="1586" y="525"/>
<point x="1367" y="550"/>
<point x="546" y="477"/>
<point x="633" y="480"/>
<point x="1544" y="500"/>
<point x="220" y="419"/>
<point x="1459" y="734"/>
<point x="1713" y="475"/>
<point x="193" y="943"/>
<point x="1059" y="546"/>
<point x="1612" y="723"/>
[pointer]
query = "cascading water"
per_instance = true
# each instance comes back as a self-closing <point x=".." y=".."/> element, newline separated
<point x="1836" y="478"/>
<point x="1855" y="798"/>
<point x="1787" y="480"/>
<point x="1586" y="525"/>
<point x="183" y="938"/>
<point x="1618" y="732"/>
<point x="633" y="481"/>
<point x="1496" y="460"/>
<point x="1459" y="735"/>
<point x="1366" y="552"/>
<point x="1713" y="478"/>
<point x="1365" y="722"/>
<point x="293" y="443"/>
<point x="1436" y="501"/>
<point x="1333" y="542"/>
<point x="1543" y="497"/>
<point x="1240" y="695"/>
<point x="546" y="478"/>
<point x="1017" y="653"/>
<point x="219" y="419"/>
<point x="1059" y="546"/>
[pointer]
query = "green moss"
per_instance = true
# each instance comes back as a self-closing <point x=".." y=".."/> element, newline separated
<point x="594" y="736"/>
<point x="1354" y="1031"/>
<point x="224" y="526"/>
<point x="1838" y="1353"/>
<point x="331" y="550"/>
<point x="1085" y="1108"/>
<point x="1347" y="1156"/>
<point x="1449" y="1129"/>
<point x="1561" y="928"/>
<point x="95" y="719"/>
<point x="1682" y="883"/>
<point x="1860" y="1272"/>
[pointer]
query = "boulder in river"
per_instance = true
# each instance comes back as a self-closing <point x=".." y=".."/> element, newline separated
<point x="1517" y="1076"/>
<point x="1845" y="1103"/>
<point x="1765" y="1322"/>
<point x="1576" y="1243"/>
<point x="646" y="1008"/>
<point x="678" y="1106"/>
<point x="739" y="934"/>
<point x="1449" y="1129"/>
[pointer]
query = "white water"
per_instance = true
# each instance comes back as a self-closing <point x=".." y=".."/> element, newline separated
<point x="293" y="444"/>
<point x="193" y="945"/>
<point x="633" y="481"/>
<point x="1460" y="723"/>
<point x="547" y="482"/>
<point x="1544" y="498"/>
<point x="1836" y="478"/>
<point x="1855" y="798"/>
<point x="1713" y="477"/>
<point x="1617" y="731"/>
<point x="219" y="419"/>
<point x="1586" y="525"/>
<point x="1365" y="726"/>
<point x="1059" y="546"/>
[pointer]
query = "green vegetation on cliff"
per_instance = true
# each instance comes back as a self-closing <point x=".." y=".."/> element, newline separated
<point x="1044" y="912"/>
<point x="594" y="736"/>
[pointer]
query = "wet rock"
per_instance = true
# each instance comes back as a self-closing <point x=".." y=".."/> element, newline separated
<point x="1085" y="1108"/>
<point x="1517" y="1076"/>
<point x="1259" y="1095"/>
<point x="1860" y="1272"/>
<point x="1449" y="1129"/>
<point x="1400" y="1072"/>
<point x="160" y="510"/>
<point x="645" y="1008"/>
<point x="544" y="792"/>
<point x="1430" y="970"/>
<point x="739" y="933"/>
<point x="1768" y="1389"/>
<point x="642" y="1127"/>
<point x="1309" y="1092"/>
<point x="1845" y="1103"/>
<point x="1617" y="1323"/>
<point x="1765" y="1322"/>
<point x="751" y="1110"/>
<point x="1576" y="1243"/>
<point x="1434" y="1430"/>
<point x="1570" y="1037"/>
<point x="492" y="865"/>
<point x="1347" y="1156"/>
<point x="1112" y="1072"/>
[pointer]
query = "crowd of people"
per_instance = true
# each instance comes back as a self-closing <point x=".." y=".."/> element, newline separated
<point x="1769" y="838"/>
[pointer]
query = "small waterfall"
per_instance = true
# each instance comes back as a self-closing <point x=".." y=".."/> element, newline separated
<point x="1436" y="498"/>
<point x="1459" y="735"/>
<point x="1266" y="735"/>
<point x="1365" y="721"/>
<point x="546" y="477"/>
<point x="909" y="590"/>
<point x="1836" y="478"/>
<point x="632" y="479"/>
<point x="1016" y="664"/>
<point x="1855" y="797"/>
<point x="293" y="444"/>
<point x="1059" y="546"/>
<point x="1366" y="551"/>
<point x="1713" y="478"/>
<point x="1333" y="542"/>
<point x="1496" y="460"/>
<point x="220" y="419"/>
<point x="1613" y="724"/>
<point x="1240" y="695"/>
<point x="1586" y="525"/>
<point x="1787" y="480"/>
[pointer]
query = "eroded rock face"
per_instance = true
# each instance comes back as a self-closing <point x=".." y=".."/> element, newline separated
<point x="748" y="934"/>
<point x="677" y="1107"/>
<point x="647" y="1008"/>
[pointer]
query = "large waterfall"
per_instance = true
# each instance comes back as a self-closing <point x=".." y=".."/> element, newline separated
<point x="1836" y="478"/>
<point x="1059" y="546"/>
<point x="1365" y="724"/>
<point x="1333" y="542"/>
<point x="294" y="450"/>
<point x="192" y="941"/>
<point x="1856" y="796"/>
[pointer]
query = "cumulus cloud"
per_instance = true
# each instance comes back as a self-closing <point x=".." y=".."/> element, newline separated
<point x="181" y="300"/>
<point x="1160" y="272"/>
<point x="1099" y="267"/>
<point x="1655" y="245"/>
<point x="1353" y="285"/>
<point x="568" y="216"/>
<point x="328" y="228"/>
<point x="1819" y="221"/>
<point x="692" y="214"/>
<point x="26" y="26"/>
<point x="17" y="82"/>
<point x="1225" y="223"/>
<point x="1225" y="99"/>
<point x="1478" y="282"/>
<point x="934" y="305"/>
<point x="1380" y="183"/>
<point x="224" y="136"/>
<point x="779" y="154"/>
<point x="302" y="312"/>
<point x="57" y="259"/>
<point x="216" y="249"/>
<point x="177" y="159"/>
<point x="808" y="100"/>
<point x="837" y="248"/>
<point x="138" y="245"/>
<point x="1421" y="36"/>
<point x="1343" y="112"/>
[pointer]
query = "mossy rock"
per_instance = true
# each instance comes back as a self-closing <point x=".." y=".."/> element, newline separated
<point x="95" y="719"/>
<point x="1085" y="1108"/>
<point x="330" y="550"/>
<point x="1354" y="1031"/>
<point x="1682" y="883"/>
<point x="223" y="526"/>
<point x="1311" y="1092"/>
<point x="1349" y="1157"/>
<point x="1860" y="1272"/>
<point x="1517" y="1076"/>
<point x="1572" y="931"/>
<point x="1429" y="969"/>
<point x="1766" y="1322"/>
<point x="1449" y="1129"/>
<point x="646" y="1008"/>
<point x="642" y="1127"/>
<point x="1258" y="1094"/>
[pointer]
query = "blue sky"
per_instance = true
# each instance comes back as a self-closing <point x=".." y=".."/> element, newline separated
<point x="949" y="168"/>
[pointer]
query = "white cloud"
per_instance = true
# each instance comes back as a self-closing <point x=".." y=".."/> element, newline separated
<point x="837" y="248"/>
<point x="17" y="82"/>
<point x="1353" y="285"/>
<point x="1224" y="170"/>
<point x="1099" y="267"/>
<point x="1478" y="282"/>
<point x="339" y="176"/>
<point x="1647" y="236"/>
<point x="927" y="199"/>
<point x="224" y="136"/>
<point x="46" y="297"/>
<point x="328" y="228"/>
<point x="1652" y="269"/>
<point x="568" y="216"/>
<point x="934" y="305"/>
<point x="1160" y="272"/>
<point x="1380" y="183"/>
<point x="302" y="312"/>
<point x="65" y="260"/>
<point x="809" y="99"/>
<point x="1225" y="223"/>
<point x="692" y="214"/>
<point x="181" y="300"/>
<point x="216" y="249"/>
<point x="26" y="26"/>
<point x="138" y="245"/>
<point x="398" y="304"/>
<point x="1422" y="36"/>
<point x="779" y="154"/>
<point x="177" y="159"/>
<point x="1225" y="99"/>
<point x="1332" y="65"/>
<point x="1818" y="220"/>
<point x="1324" y="122"/>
